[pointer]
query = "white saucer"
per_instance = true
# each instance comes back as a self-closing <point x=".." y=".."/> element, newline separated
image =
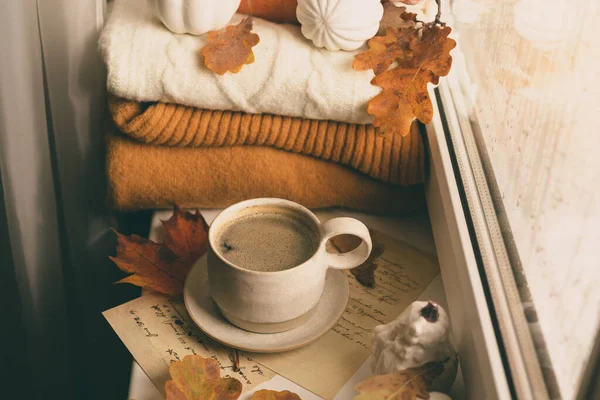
<point x="205" y="313"/>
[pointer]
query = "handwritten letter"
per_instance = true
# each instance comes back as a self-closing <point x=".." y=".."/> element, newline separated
<point x="158" y="331"/>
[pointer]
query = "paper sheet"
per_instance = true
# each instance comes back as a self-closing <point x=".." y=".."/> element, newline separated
<point x="157" y="330"/>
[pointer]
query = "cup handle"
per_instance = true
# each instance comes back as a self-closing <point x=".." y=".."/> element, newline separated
<point x="348" y="226"/>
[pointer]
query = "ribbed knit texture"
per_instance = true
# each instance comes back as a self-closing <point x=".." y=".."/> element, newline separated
<point x="146" y="176"/>
<point x="390" y="158"/>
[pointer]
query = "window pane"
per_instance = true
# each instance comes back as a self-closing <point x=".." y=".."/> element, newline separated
<point x="534" y="71"/>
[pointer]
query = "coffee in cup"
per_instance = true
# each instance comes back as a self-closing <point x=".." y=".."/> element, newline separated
<point x="267" y="239"/>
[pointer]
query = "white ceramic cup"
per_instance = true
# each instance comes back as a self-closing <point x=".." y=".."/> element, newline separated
<point x="268" y="302"/>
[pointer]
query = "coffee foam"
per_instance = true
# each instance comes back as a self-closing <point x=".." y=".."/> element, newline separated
<point x="268" y="239"/>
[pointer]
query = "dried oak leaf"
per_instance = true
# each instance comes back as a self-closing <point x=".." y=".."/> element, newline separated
<point x="163" y="266"/>
<point x="385" y="50"/>
<point x="407" y="384"/>
<point x="199" y="378"/>
<point x="395" y="17"/>
<point x="230" y="49"/>
<point x="273" y="395"/>
<point x="431" y="51"/>
<point x="404" y="97"/>
<point x="404" y="61"/>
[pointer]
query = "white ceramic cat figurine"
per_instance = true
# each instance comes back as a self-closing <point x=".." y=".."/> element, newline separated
<point x="419" y="335"/>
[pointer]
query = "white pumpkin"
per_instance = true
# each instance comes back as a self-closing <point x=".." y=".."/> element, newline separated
<point x="195" y="16"/>
<point x="339" y="24"/>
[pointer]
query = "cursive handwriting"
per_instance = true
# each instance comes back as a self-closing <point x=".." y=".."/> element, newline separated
<point x="174" y="357"/>
<point x="369" y="307"/>
<point x="158" y="312"/>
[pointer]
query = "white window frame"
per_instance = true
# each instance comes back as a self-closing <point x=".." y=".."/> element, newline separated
<point x="498" y="355"/>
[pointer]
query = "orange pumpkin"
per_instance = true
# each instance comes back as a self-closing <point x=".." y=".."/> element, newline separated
<point x="271" y="10"/>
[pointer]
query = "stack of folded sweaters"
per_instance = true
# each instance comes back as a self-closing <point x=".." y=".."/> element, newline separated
<point x="293" y="124"/>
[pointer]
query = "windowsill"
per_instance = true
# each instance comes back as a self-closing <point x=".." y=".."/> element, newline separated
<point x="415" y="230"/>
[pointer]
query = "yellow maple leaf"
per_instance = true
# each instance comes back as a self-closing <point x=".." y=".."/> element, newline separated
<point x="199" y="378"/>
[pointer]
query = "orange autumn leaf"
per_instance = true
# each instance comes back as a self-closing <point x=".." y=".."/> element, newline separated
<point x="404" y="97"/>
<point x="186" y="234"/>
<point x="273" y="395"/>
<point x="199" y="378"/>
<point x="406" y="384"/>
<point x="431" y="51"/>
<point x="395" y="17"/>
<point x="404" y="61"/>
<point x="230" y="49"/>
<point x="384" y="50"/>
<point x="163" y="266"/>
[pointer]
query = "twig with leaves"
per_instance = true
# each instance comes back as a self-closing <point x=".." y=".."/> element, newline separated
<point x="405" y="59"/>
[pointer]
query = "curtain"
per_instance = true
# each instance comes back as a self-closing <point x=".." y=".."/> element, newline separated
<point x="55" y="276"/>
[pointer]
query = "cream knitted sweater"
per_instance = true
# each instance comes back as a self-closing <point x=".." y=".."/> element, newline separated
<point x="147" y="62"/>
